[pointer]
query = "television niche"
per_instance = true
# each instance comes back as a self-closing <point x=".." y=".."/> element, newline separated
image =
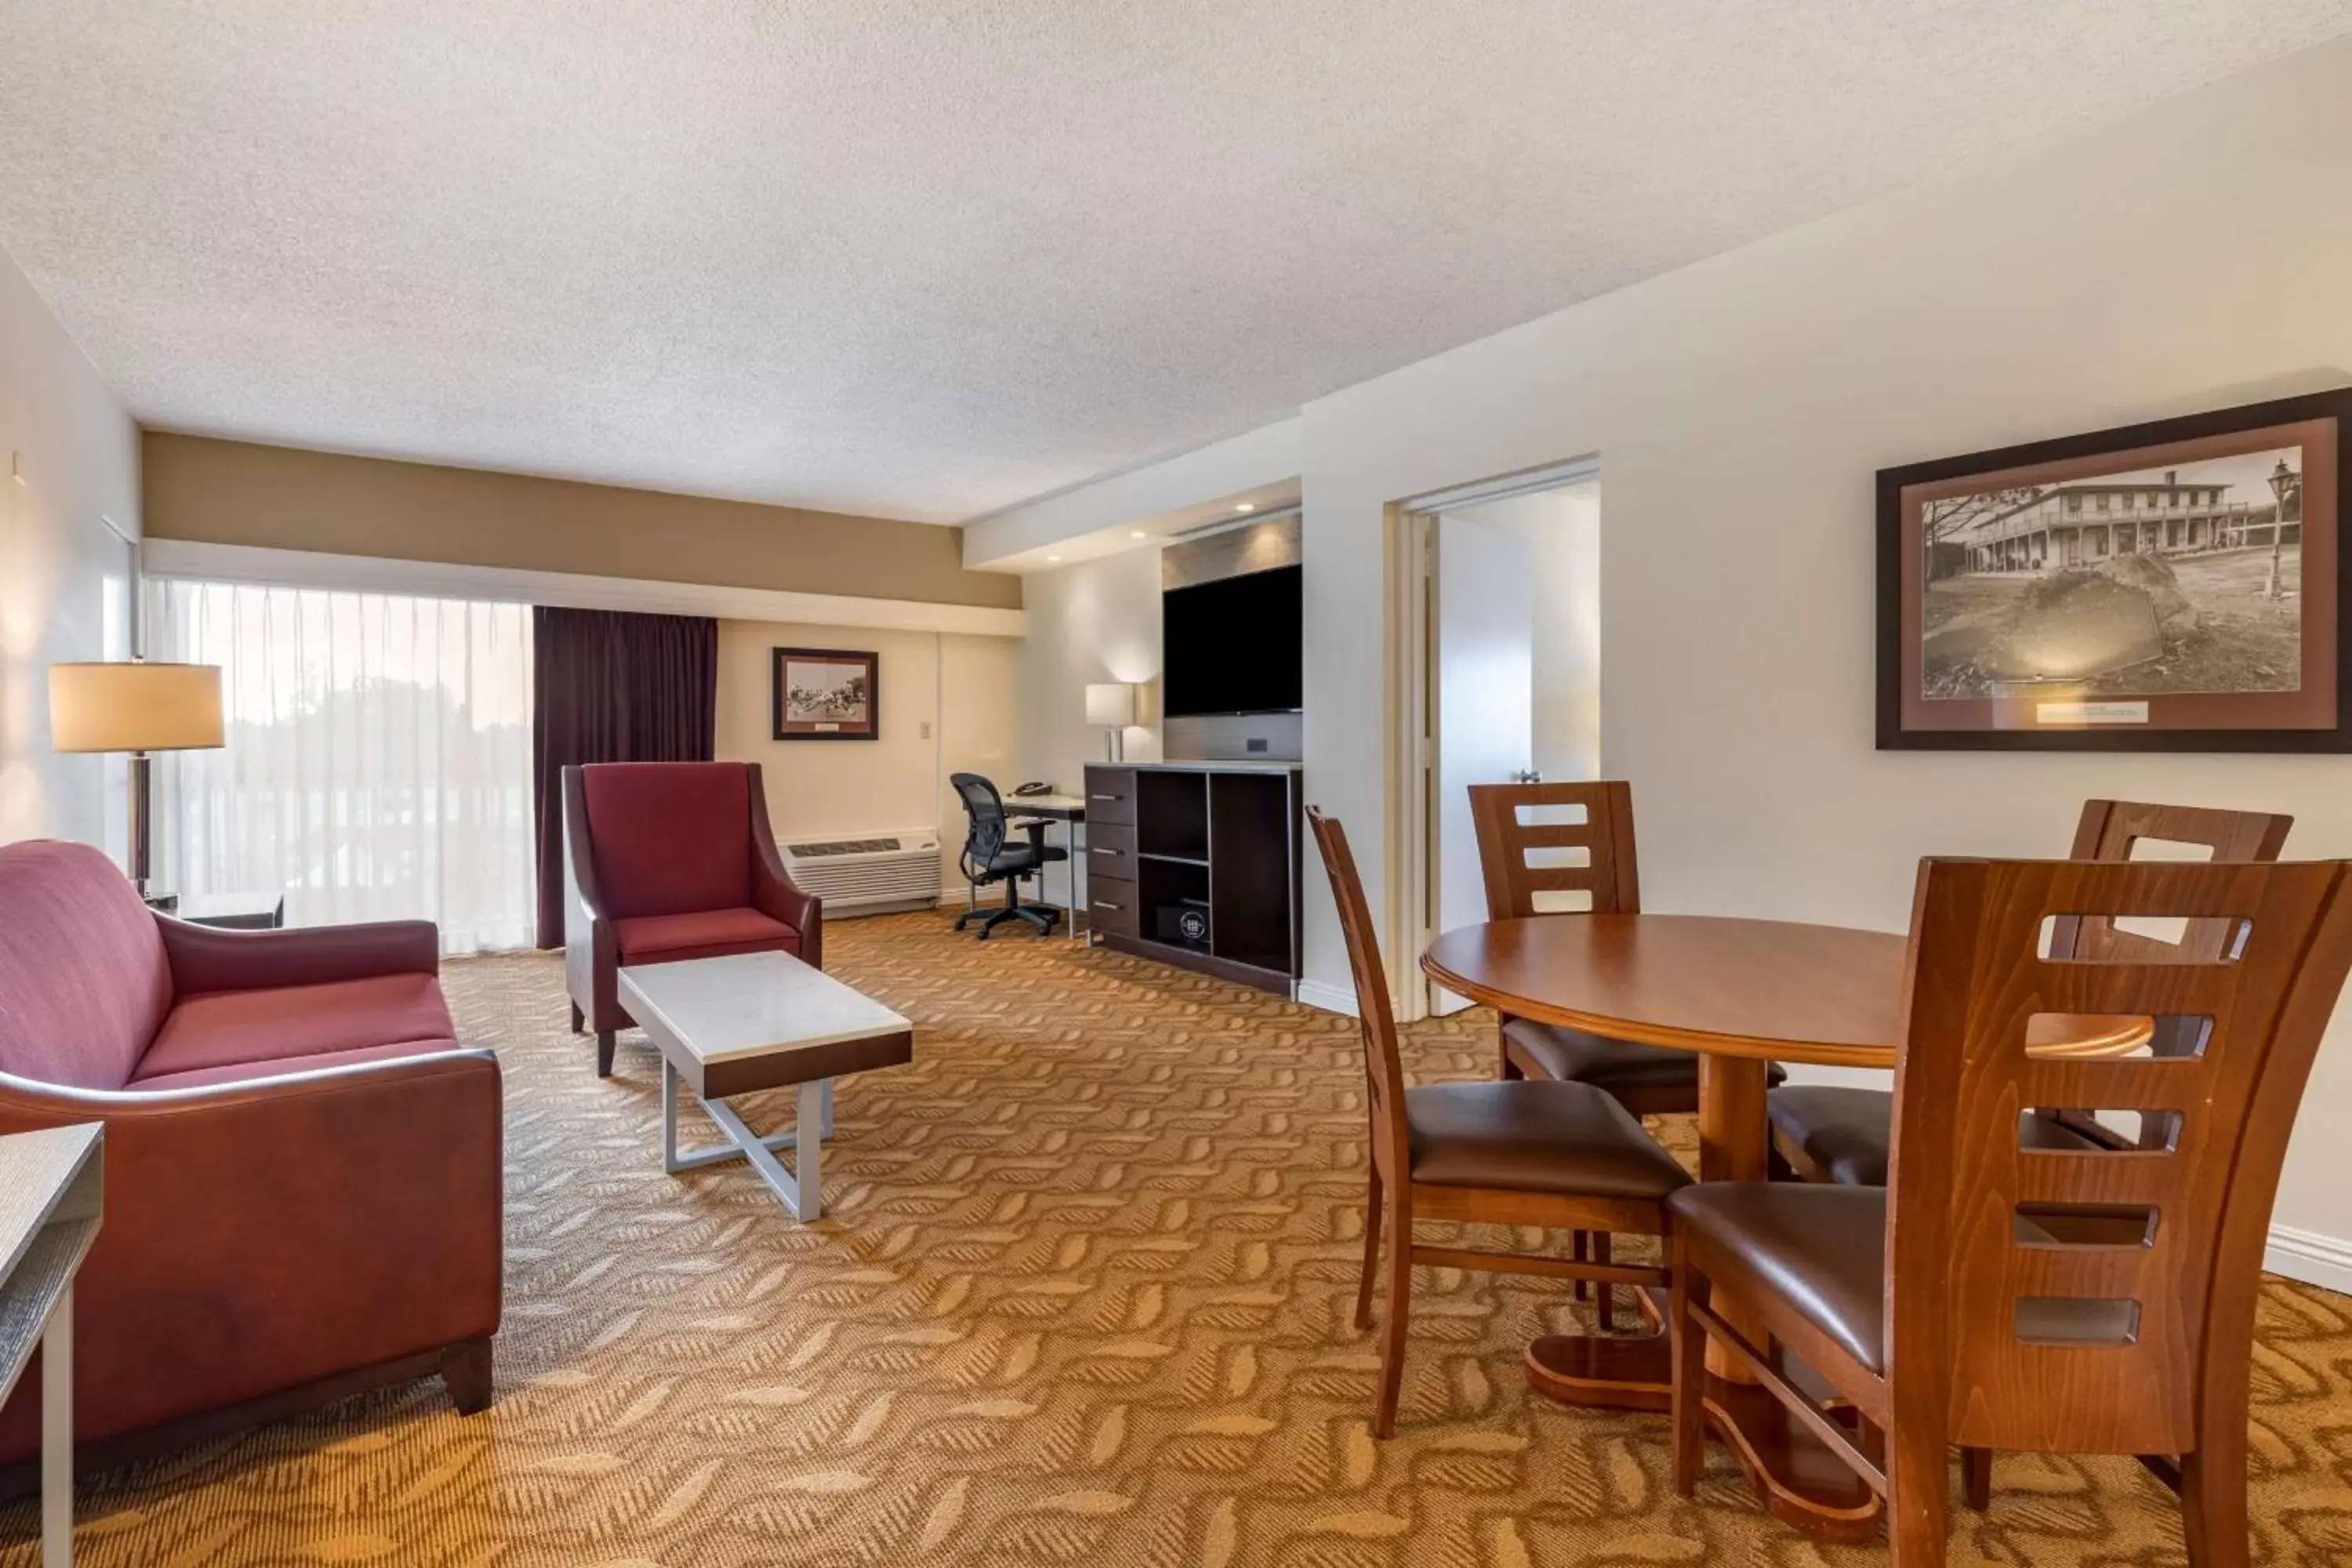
<point x="1234" y="646"/>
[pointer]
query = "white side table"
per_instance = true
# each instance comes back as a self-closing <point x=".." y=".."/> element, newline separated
<point x="51" y="1193"/>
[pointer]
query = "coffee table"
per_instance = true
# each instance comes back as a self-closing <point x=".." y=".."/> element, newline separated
<point x="758" y="1021"/>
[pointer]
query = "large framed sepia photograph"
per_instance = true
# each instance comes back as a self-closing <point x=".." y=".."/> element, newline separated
<point x="826" y="694"/>
<point x="2175" y="586"/>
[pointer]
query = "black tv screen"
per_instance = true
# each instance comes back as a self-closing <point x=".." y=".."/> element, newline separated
<point x="1232" y="647"/>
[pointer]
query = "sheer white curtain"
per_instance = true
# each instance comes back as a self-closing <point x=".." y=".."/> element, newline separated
<point x="378" y="765"/>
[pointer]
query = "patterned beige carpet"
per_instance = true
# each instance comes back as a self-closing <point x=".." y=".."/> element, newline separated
<point x="1080" y="1296"/>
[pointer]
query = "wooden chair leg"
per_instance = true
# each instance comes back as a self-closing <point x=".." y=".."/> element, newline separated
<point x="1975" y="1478"/>
<point x="603" y="1053"/>
<point x="1918" y="1495"/>
<point x="579" y="1020"/>
<point x="1399" y="1312"/>
<point x="2213" y="1475"/>
<point x="1582" y="1249"/>
<point x="1686" y="1341"/>
<point x="1607" y="1294"/>
<point x="1371" y="1255"/>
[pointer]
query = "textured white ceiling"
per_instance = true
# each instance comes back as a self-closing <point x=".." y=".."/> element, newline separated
<point x="927" y="259"/>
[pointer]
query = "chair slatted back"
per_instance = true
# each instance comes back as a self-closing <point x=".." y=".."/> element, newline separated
<point x="2096" y="1344"/>
<point x="1609" y="874"/>
<point x="1384" y="1066"/>
<point x="2108" y="831"/>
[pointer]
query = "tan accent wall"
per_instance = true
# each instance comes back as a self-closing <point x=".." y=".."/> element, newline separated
<point x="236" y="493"/>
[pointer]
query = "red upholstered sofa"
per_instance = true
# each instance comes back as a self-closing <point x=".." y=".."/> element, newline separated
<point x="303" y="1182"/>
<point x="667" y="861"/>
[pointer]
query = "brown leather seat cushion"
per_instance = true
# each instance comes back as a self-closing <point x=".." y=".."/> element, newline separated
<point x="1537" y="1137"/>
<point x="1572" y="1055"/>
<point x="1822" y="1248"/>
<point x="1848" y="1132"/>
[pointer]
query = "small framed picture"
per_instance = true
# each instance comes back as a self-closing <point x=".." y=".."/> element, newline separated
<point x="2176" y="586"/>
<point x="827" y="694"/>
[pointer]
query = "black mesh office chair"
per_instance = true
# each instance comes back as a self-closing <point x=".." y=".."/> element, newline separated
<point x="989" y="857"/>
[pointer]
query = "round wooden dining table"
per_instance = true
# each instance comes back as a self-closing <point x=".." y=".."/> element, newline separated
<point x="1740" y="995"/>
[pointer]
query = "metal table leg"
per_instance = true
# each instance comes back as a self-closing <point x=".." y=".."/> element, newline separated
<point x="800" y="1190"/>
<point x="57" y="1434"/>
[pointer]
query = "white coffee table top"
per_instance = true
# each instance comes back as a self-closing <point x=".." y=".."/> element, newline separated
<point x="750" y="1004"/>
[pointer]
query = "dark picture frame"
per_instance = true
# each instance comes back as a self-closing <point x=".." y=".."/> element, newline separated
<point x="2177" y="585"/>
<point x="825" y="694"/>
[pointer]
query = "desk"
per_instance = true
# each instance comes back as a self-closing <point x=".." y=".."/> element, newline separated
<point x="1070" y="811"/>
<point x="51" y="1189"/>
<point x="1740" y="995"/>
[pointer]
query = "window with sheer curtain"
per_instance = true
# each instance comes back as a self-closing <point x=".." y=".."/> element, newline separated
<point x="378" y="757"/>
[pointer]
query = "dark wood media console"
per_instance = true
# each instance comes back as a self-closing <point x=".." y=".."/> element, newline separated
<point x="1196" y="864"/>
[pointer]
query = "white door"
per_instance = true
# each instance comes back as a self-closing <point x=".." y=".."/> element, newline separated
<point x="1482" y="657"/>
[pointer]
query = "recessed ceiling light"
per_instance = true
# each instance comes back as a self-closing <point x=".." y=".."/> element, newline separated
<point x="1135" y="533"/>
<point x="1052" y="558"/>
<point x="1246" y="506"/>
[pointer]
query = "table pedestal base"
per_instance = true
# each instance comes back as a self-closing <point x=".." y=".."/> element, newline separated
<point x="1795" y="1476"/>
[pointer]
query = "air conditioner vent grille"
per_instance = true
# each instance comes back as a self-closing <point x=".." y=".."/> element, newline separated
<point x="845" y="847"/>
<point x="870" y="872"/>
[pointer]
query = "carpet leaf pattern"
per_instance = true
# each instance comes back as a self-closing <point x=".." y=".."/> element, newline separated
<point x="1081" y="1295"/>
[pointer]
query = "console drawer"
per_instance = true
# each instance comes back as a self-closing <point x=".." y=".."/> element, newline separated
<point x="1110" y="851"/>
<point x="1111" y="795"/>
<point x="1111" y="906"/>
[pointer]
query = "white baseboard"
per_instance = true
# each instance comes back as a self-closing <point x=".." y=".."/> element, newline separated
<point x="1330" y="998"/>
<point x="2307" y="1255"/>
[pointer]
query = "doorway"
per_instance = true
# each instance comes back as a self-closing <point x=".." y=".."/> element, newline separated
<point x="1503" y="677"/>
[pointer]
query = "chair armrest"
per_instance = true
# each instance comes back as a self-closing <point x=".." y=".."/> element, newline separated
<point x="205" y="959"/>
<point x="591" y="951"/>
<point x="258" y="1236"/>
<point x="773" y="893"/>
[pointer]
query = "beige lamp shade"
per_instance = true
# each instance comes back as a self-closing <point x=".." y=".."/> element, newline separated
<point x="135" y="707"/>
<point x="1112" y="702"/>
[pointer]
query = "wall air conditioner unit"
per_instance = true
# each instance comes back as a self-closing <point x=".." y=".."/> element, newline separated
<point x="871" y="874"/>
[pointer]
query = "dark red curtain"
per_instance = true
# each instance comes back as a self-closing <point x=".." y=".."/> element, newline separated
<point x="612" y="687"/>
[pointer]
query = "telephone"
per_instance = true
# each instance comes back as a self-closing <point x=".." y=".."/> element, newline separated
<point x="1034" y="786"/>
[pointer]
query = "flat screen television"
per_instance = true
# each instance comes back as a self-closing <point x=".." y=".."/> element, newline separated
<point x="1233" y="645"/>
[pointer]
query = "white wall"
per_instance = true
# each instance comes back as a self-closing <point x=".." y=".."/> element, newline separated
<point x="2188" y="257"/>
<point x="78" y="454"/>
<point x="2191" y="258"/>
<point x="1260" y="466"/>
<point x="958" y="687"/>
<point x="1094" y="621"/>
<point x="1562" y="530"/>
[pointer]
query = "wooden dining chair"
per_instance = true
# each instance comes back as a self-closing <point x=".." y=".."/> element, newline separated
<point x="1563" y="1156"/>
<point x="1530" y="870"/>
<point x="1837" y="1133"/>
<point x="1938" y="1307"/>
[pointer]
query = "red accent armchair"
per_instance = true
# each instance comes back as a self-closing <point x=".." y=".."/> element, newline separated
<point x="304" y="1186"/>
<point x="667" y="861"/>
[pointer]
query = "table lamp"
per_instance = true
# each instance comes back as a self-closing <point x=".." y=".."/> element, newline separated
<point x="1112" y="704"/>
<point x="136" y="708"/>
